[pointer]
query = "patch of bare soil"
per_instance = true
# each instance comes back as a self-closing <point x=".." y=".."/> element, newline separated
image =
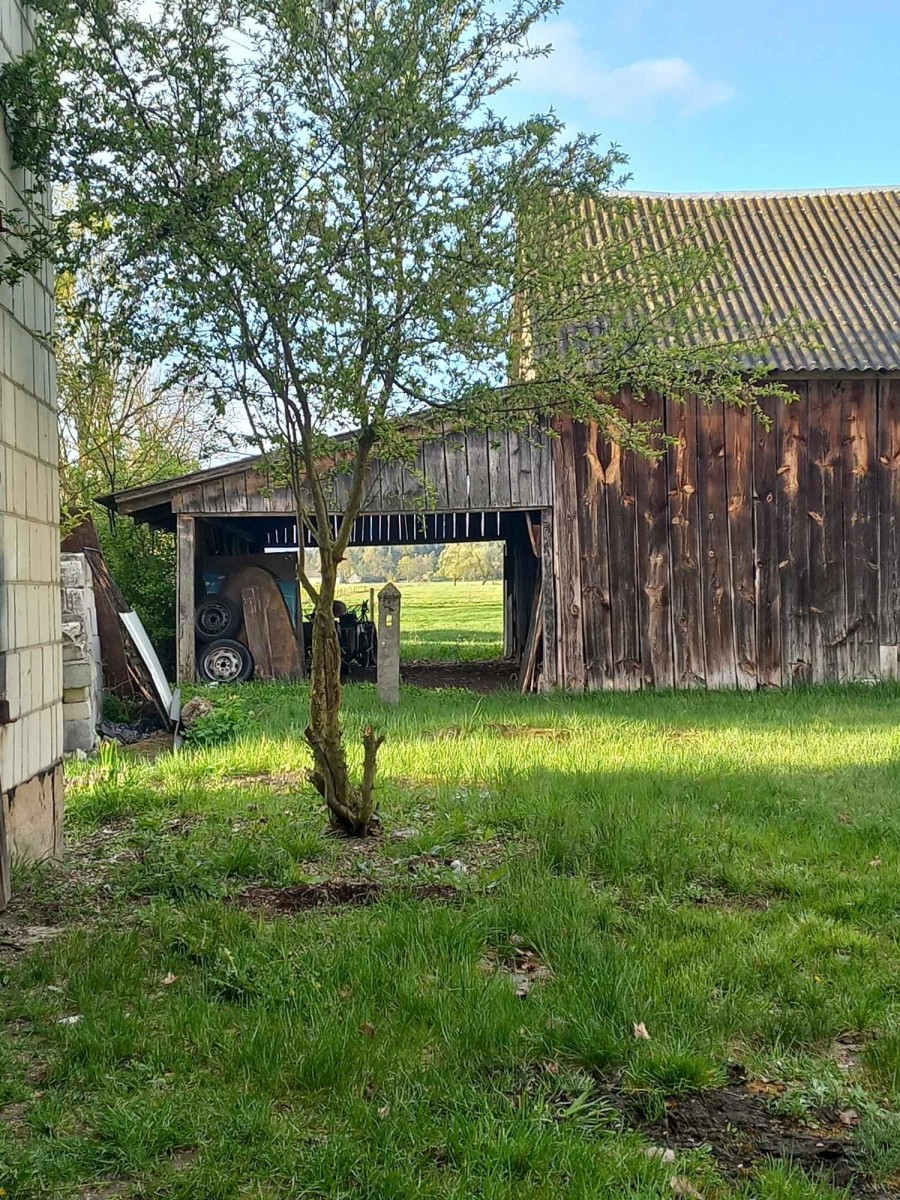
<point x="717" y="893"/>
<point x="491" y="675"/>
<point x="335" y="893"/>
<point x="151" y="746"/>
<point x="13" y="1117"/>
<point x="523" y="965"/>
<point x="738" y="1124"/>
<point x="743" y="1131"/>
<point x="386" y="864"/>
<point x="279" y="781"/>
<point x="544" y="733"/>
<point x="111" y="1190"/>
<point x="114" y="1189"/>
<point x="17" y="936"/>
<point x="849" y="1049"/>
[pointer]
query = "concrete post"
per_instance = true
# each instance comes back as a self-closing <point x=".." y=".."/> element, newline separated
<point x="81" y="673"/>
<point x="389" y="644"/>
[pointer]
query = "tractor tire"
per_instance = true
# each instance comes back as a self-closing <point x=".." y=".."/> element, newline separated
<point x="217" y="617"/>
<point x="224" y="661"/>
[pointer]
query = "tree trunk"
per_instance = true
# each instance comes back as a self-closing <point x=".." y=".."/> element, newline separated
<point x="351" y="809"/>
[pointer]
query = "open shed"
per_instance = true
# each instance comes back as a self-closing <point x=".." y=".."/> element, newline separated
<point x="479" y="487"/>
<point x="745" y="556"/>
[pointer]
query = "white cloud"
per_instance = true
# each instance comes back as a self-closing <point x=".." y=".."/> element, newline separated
<point x="637" y="90"/>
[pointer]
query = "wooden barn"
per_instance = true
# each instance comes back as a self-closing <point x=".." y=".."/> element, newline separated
<point x="745" y="557"/>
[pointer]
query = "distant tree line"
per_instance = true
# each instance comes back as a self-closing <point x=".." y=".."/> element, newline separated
<point x="469" y="562"/>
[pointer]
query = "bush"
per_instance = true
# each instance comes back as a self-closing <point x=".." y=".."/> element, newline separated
<point x="229" y="717"/>
<point x="142" y="562"/>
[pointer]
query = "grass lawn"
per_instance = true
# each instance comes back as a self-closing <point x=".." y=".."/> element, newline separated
<point x="718" y="872"/>
<point x="446" y="622"/>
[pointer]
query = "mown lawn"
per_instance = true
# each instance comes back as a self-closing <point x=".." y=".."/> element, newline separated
<point x="445" y="622"/>
<point x="721" y="872"/>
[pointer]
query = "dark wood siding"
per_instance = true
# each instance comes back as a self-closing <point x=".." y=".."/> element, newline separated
<point x="888" y="500"/>
<point x="594" y="547"/>
<point x="655" y="590"/>
<point x="858" y="439"/>
<point x="567" y="554"/>
<point x="684" y="524"/>
<point x="715" y="570"/>
<point x="793" y="521"/>
<point x="765" y="542"/>
<point x="748" y="554"/>
<point x="739" y="482"/>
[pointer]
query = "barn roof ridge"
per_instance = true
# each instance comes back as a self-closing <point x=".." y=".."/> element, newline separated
<point x="759" y="193"/>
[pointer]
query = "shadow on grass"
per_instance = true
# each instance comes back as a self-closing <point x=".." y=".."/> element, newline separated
<point x="851" y="706"/>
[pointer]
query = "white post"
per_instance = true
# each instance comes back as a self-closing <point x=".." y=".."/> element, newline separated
<point x="389" y="644"/>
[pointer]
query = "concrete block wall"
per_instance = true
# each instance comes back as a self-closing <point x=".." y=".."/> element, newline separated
<point x="82" y="670"/>
<point x="31" y="683"/>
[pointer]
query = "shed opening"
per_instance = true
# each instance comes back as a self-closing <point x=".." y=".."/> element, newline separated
<point x="229" y="552"/>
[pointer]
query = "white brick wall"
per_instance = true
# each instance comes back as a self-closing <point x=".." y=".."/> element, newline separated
<point x="30" y="622"/>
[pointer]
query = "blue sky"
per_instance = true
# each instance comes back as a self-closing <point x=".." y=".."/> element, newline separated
<point x="713" y="95"/>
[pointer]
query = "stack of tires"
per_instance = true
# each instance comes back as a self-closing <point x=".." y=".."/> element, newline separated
<point x="221" y="658"/>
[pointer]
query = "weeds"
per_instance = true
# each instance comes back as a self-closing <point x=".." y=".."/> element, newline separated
<point x="230" y="717"/>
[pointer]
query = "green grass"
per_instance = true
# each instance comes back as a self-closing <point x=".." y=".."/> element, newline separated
<point x="723" y="868"/>
<point x="445" y="622"/>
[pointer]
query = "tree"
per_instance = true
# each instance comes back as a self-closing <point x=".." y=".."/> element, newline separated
<point x="373" y="564"/>
<point x="489" y="560"/>
<point x="414" y="567"/>
<point x="460" y="561"/>
<point x="119" y="425"/>
<point x="333" y="226"/>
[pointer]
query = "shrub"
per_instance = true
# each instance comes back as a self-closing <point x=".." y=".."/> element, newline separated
<point x="230" y="716"/>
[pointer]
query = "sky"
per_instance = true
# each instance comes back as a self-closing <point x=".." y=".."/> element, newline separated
<point x="728" y="95"/>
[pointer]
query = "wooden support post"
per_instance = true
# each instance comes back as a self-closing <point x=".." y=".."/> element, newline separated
<point x="186" y="541"/>
<point x="534" y="535"/>
<point x="4" y="860"/>
<point x="548" y="601"/>
<point x="532" y="645"/>
<point x="299" y="631"/>
<point x="509" y="581"/>
<point x="389" y="644"/>
<point x="567" y="559"/>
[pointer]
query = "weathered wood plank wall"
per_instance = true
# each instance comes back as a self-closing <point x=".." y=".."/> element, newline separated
<point x="566" y="549"/>
<point x="888" y="503"/>
<point x="744" y="556"/>
<point x="185" y="549"/>
<point x="470" y="471"/>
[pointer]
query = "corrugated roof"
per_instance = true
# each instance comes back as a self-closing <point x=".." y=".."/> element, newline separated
<point x="830" y="256"/>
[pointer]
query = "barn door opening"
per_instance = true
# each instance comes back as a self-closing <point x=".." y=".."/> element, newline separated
<point x="529" y="602"/>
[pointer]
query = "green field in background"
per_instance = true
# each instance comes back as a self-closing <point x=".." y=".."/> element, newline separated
<point x="445" y="622"/>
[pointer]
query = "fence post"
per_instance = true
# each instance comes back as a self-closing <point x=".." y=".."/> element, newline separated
<point x="389" y="644"/>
